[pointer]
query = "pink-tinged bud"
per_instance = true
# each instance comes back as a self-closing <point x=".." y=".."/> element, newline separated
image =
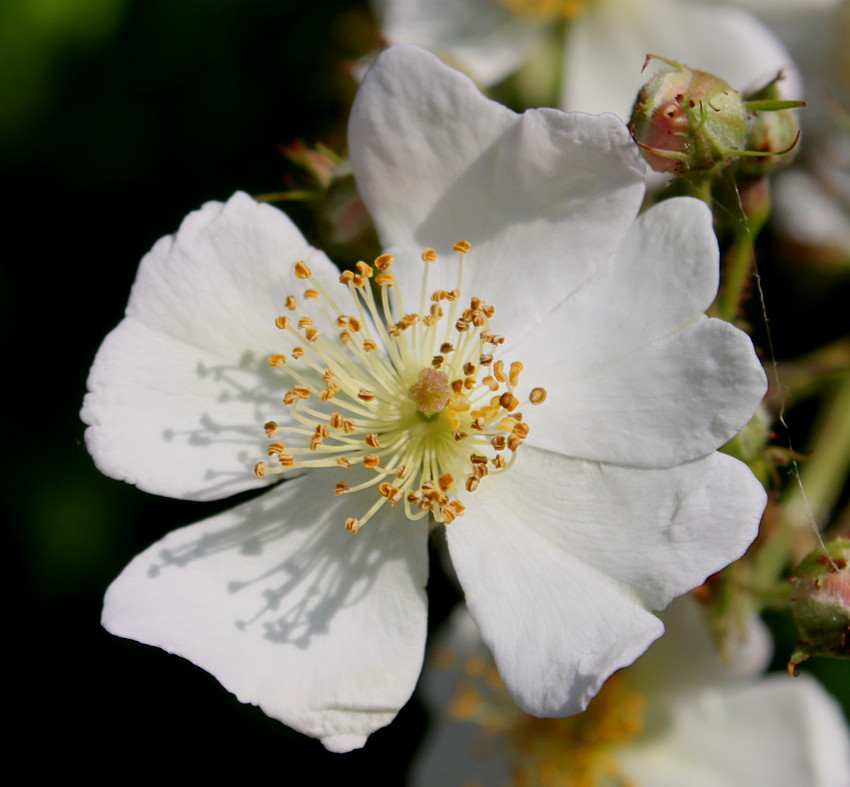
<point x="688" y="121"/>
<point x="820" y="601"/>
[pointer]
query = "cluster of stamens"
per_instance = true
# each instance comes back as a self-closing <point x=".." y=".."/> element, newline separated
<point x="418" y="399"/>
<point x="547" y="9"/>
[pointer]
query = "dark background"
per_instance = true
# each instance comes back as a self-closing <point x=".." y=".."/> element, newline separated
<point x="117" y="118"/>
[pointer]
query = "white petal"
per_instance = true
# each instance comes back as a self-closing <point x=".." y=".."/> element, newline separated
<point x="780" y="731"/>
<point x="179" y="391"/>
<point x="724" y="41"/>
<point x="324" y="630"/>
<point x="690" y="646"/>
<point x="544" y="192"/>
<point x="640" y="376"/>
<point x="557" y="625"/>
<point x="478" y="36"/>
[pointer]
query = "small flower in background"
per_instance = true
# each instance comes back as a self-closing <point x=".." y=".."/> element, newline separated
<point x="681" y="715"/>
<point x="533" y="368"/>
<point x="604" y="42"/>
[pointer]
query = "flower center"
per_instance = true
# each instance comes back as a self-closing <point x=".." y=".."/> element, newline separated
<point x="580" y="751"/>
<point x="417" y="399"/>
<point x="555" y="9"/>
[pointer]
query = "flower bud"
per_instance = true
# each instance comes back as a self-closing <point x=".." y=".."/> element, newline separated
<point x="688" y="121"/>
<point x="771" y="131"/>
<point x="820" y="601"/>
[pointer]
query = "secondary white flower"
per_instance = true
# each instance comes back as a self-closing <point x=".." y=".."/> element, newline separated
<point x="605" y="42"/>
<point x="614" y="504"/>
<point x="680" y="715"/>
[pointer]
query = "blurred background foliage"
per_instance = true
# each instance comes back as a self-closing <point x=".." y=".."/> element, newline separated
<point x="118" y="117"/>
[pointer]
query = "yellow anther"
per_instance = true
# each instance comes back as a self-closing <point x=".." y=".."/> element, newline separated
<point x="429" y="255"/>
<point x="297" y="352"/>
<point x="302" y="391"/>
<point x="346" y="277"/>
<point x="401" y="472"/>
<point x="472" y="483"/>
<point x="343" y="462"/>
<point x="311" y="334"/>
<point x="276" y="449"/>
<point x="499" y="371"/>
<point x="372" y="440"/>
<point x="341" y="488"/>
<point x="354" y="324"/>
<point x="344" y="337"/>
<point x="311" y="294"/>
<point x="303" y="322"/>
<point x="462" y="246"/>
<point x="352" y="525"/>
<point x="392" y="493"/>
<point x="486" y="359"/>
<point x="365" y="270"/>
<point x="270" y="428"/>
<point x="385" y="280"/>
<point x="277" y="360"/>
<point x="365" y="395"/>
<point x="302" y="271"/>
<point x="516" y="368"/>
<point x="446" y="481"/>
<point x="508" y="401"/>
<point x="370" y="461"/>
<point x="383" y="261"/>
<point x="260" y="469"/>
<point x="287" y="460"/>
<point x="291" y="303"/>
<point x="537" y="396"/>
<point x="282" y="322"/>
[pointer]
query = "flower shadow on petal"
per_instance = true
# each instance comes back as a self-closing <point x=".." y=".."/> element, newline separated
<point x="294" y="575"/>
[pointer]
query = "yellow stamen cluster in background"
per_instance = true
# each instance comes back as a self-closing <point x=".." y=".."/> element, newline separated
<point x="557" y="9"/>
<point x="579" y="751"/>
<point x="418" y="399"/>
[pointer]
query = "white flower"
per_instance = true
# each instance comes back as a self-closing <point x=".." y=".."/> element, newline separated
<point x="604" y="45"/>
<point x="681" y="715"/>
<point x="614" y="504"/>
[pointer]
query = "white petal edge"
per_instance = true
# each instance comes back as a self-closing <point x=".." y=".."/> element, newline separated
<point x="777" y="731"/>
<point x="557" y="626"/>
<point x="324" y="630"/>
<point x="436" y="162"/>
<point x="480" y="37"/>
<point x="641" y="377"/>
<point x="180" y="390"/>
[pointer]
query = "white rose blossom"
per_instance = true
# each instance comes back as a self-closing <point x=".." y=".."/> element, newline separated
<point x="682" y="714"/>
<point x="549" y="386"/>
<point x="604" y="42"/>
